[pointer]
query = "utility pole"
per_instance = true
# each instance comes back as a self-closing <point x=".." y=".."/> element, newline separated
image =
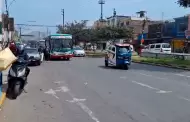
<point x="1" y="19"/>
<point x="47" y="31"/>
<point x="7" y="29"/>
<point x="20" y="32"/>
<point x="39" y="35"/>
<point x="63" y="14"/>
<point x="101" y="2"/>
<point x="162" y="16"/>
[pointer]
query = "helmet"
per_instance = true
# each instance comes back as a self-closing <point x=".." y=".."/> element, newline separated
<point x="12" y="47"/>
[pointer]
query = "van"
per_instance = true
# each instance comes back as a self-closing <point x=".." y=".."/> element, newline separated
<point x="160" y="47"/>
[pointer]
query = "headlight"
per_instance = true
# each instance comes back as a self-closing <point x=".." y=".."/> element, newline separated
<point x="21" y="72"/>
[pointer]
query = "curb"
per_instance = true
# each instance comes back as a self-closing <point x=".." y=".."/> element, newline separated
<point x="161" y="65"/>
<point x="2" y="99"/>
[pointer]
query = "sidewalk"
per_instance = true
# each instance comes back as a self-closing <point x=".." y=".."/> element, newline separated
<point x="3" y="89"/>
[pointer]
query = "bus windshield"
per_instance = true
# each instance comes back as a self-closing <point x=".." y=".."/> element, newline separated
<point x="61" y="43"/>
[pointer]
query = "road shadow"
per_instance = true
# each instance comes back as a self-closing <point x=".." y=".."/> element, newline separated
<point x="153" y="68"/>
<point x="59" y="60"/>
<point x="4" y="89"/>
<point x="111" y="67"/>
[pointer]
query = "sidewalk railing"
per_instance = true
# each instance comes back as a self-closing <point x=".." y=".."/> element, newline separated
<point x="180" y="56"/>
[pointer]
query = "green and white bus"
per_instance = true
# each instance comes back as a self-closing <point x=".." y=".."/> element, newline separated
<point x="59" y="46"/>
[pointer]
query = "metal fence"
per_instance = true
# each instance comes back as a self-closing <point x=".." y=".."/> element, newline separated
<point x="180" y="56"/>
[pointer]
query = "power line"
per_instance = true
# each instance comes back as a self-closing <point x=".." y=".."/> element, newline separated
<point x="35" y="25"/>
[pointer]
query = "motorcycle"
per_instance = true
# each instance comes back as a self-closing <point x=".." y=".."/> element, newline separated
<point x="17" y="77"/>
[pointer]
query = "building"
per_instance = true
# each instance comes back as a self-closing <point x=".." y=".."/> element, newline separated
<point x="135" y="23"/>
<point x="99" y="24"/>
<point x="172" y="32"/>
<point x="115" y="20"/>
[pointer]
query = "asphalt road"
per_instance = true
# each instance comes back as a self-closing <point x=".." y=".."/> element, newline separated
<point x="83" y="90"/>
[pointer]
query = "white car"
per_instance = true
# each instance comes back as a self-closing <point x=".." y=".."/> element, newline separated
<point x="79" y="52"/>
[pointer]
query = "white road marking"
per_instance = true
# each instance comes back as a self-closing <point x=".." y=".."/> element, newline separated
<point x="86" y="83"/>
<point x="62" y="89"/>
<point x="152" y="76"/>
<point x="78" y="102"/>
<point x="57" y="82"/>
<point x="182" y="75"/>
<point x="183" y="98"/>
<point x="145" y="85"/>
<point x="123" y="77"/>
<point x="150" y="87"/>
<point x="163" y="92"/>
<point x="52" y="92"/>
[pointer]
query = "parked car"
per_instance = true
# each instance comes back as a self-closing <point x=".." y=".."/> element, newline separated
<point x="34" y="56"/>
<point x="158" y="47"/>
<point x="77" y="51"/>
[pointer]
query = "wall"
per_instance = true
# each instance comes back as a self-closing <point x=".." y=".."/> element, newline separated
<point x="154" y="30"/>
<point x="169" y="29"/>
<point x="181" y="24"/>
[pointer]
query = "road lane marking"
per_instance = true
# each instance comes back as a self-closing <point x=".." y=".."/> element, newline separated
<point x="123" y="77"/>
<point x="152" y="88"/>
<point x="182" y="75"/>
<point x="153" y="76"/>
<point x="75" y="100"/>
<point x="52" y="92"/>
<point x="163" y="92"/>
<point x="62" y="89"/>
<point x="145" y="85"/>
<point x="183" y="98"/>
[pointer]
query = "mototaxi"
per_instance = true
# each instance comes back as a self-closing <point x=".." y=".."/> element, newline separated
<point x="118" y="55"/>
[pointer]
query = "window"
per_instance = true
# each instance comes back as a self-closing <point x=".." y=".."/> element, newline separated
<point x="166" y="46"/>
<point x="124" y="49"/>
<point x="152" y="46"/>
<point x="113" y="49"/>
<point x="158" y="46"/>
<point x="110" y="48"/>
<point x="182" y="27"/>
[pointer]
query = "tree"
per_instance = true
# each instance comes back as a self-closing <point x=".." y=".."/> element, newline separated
<point x="184" y="3"/>
<point x="75" y="28"/>
<point x="81" y="33"/>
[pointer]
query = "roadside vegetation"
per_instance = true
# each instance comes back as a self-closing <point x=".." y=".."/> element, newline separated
<point x="163" y="61"/>
<point x="81" y="32"/>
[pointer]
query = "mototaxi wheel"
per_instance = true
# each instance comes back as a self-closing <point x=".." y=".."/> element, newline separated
<point x="106" y="63"/>
<point x="126" y="67"/>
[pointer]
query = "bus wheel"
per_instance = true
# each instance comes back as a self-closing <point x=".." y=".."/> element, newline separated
<point x="67" y="59"/>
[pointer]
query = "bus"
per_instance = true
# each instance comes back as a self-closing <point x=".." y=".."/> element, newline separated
<point x="59" y="46"/>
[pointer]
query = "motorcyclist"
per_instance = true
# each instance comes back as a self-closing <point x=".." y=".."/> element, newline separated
<point x="22" y="54"/>
<point x="12" y="47"/>
<point x="41" y="51"/>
